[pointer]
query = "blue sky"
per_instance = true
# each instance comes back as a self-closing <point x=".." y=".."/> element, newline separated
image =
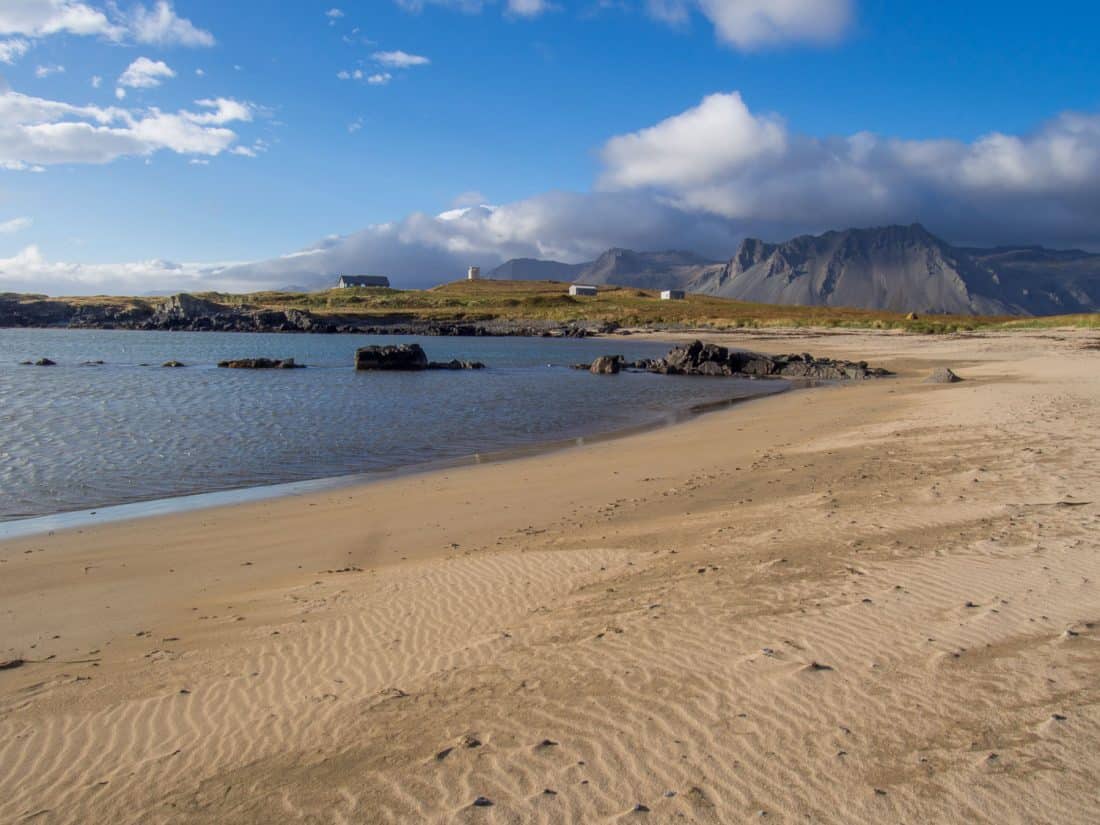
<point x="529" y="106"/>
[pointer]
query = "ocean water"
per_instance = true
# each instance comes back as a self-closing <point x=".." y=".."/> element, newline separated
<point x="74" y="437"/>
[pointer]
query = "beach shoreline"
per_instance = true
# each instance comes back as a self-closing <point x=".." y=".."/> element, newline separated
<point x="786" y="578"/>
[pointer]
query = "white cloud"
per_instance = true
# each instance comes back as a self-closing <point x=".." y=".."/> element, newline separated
<point x="30" y="271"/>
<point x="96" y="81"/>
<point x="162" y="26"/>
<point x="39" y="132"/>
<point x="516" y="8"/>
<point x="400" y="60"/>
<point x="333" y="15"/>
<point x="355" y="125"/>
<point x="200" y="73"/>
<point x="721" y="159"/>
<point x="13" y="49"/>
<point x="120" y="93"/>
<point x="144" y="73"/>
<point x="700" y="180"/>
<point x="39" y="18"/>
<point x="750" y="24"/>
<point x="224" y="110"/>
<point x="380" y="79"/>
<point x="158" y="25"/>
<point x="696" y="146"/>
<point x="344" y="74"/>
<point x="14" y="225"/>
<point x="48" y="69"/>
<point x="528" y="8"/>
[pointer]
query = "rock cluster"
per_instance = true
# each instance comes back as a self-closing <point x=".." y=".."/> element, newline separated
<point x="698" y="358"/>
<point x="405" y="358"/>
<point x="260" y="364"/>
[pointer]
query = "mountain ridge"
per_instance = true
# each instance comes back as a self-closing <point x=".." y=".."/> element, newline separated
<point x="896" y="267"/>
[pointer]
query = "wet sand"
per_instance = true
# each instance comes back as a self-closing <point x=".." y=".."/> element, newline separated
<point x="871" y="603"/>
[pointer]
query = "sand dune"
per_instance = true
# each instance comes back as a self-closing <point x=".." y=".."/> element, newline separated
<point x="859" y="604"/>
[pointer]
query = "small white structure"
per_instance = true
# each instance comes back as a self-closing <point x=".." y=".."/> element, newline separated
<point x="473" y="273"/>
<point x="672" y="295"/>
<point x="349" y="281"/>
<point x="583" y="289"/>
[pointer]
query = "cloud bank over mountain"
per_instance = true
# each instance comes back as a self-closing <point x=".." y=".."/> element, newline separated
<point x="702" y="179"/>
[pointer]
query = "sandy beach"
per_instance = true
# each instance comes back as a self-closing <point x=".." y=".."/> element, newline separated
<point x="875" y="602"/>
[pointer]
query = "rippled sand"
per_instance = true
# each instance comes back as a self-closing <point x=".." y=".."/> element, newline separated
<point x="874" y="603"/>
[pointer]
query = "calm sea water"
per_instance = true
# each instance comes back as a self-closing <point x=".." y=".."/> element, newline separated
<point x="75" y="437"/>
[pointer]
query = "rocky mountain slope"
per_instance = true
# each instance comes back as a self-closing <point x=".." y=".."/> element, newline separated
<point x="622" y="267"/>
<point x="899" y="268"/>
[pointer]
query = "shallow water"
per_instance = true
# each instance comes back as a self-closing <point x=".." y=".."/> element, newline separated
<point x="75" y="437"/>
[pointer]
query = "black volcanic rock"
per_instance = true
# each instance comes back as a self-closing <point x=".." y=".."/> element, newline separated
<point x="402" y="357"/>
<point x="260" y="364"/>
<point x="606" y="365"/>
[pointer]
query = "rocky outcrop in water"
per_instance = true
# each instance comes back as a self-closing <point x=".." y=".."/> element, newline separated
<point x="698" y="358"/>
<point x="406" y="358"/>
<point x="402" y="357"/>
<point x="261" y="364"/>
<point x="607" y="365"/>
<point x="455" y="364"/>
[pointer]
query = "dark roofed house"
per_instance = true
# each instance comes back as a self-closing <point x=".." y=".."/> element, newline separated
<point x="362" y="280"/>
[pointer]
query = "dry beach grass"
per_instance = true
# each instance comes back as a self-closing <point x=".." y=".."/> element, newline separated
<point x="858" y="604"/>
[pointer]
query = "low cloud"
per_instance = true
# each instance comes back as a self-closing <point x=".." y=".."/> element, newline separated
<point x="720" y="158"/>
<point x="700" y="180"/>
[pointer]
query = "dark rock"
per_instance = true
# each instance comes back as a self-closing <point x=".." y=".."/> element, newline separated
<point x="404" y="357"/>
<point x="260" y="364"/>
<point x="698" y="358"/>
<point x="942" y="375"/>
<point x="173" y="364"/>
<point x="45" y="362"/>
<point x="455" y="364"/>
<point x="607" y="365"/>
<point x="483" y="802"/>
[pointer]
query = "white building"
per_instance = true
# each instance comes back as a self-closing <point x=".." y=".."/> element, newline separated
<point x="349" y="281"/>
<point x="673" y="295"/>
<point x="473" y="273"/>
<point x="583" y="289"/>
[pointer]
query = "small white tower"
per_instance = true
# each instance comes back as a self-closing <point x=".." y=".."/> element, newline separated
<point x="473" y="273"/>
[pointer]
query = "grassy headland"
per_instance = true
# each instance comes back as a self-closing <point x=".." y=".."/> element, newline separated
<point x="472" y="301"/>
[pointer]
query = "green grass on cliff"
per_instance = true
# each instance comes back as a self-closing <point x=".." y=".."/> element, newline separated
<point x="629" y="307"/>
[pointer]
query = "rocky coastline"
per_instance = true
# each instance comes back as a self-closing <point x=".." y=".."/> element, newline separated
<point x="188" y="313"/>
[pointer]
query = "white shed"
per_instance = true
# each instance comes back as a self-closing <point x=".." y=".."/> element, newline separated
<point x="672" y="295"/>
<point x="473" y="273"/>
<point x="583" y="289"/>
